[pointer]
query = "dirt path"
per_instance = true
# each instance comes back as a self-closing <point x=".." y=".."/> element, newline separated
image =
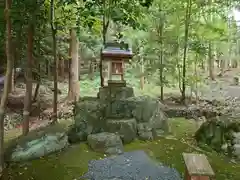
<point x="222" y="88"/>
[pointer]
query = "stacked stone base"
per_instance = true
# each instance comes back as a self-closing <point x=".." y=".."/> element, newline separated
<point x="115" y="115"/>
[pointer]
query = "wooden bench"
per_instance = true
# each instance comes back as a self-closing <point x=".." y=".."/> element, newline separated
<point x="197" y="167"/>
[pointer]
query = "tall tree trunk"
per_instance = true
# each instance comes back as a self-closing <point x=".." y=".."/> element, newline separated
<point x="161" y="51"/>
<point x="161" y="76"/>
<point x="104" y="33"/>
<point x="46" y="67"/>
<point x="74" y="91"/>
<point x="222" y="65"/>
<point x="210" y="62"/>
<point x="142" y="74"/>
<point x="91" y="70"/>
<point x="196" y="77"/>
<point x="17" y="56"/>
<point x="141" y="67"/>
<point x="229" y="63"/>
<point x="28" y="76"/>
<point x="179" y="65"/>
<point x="106" y="21"/>
<point x="210" y="45"/>
<point x="13" y="52"/>
<point x="36" y="92"/>
<point x="18" y="46"/>
<point x="12" y="86"/>
<point x="49" y="68"/>
<point x="186" y="34"/>
<point x="7" y="81"/>
<point x="202" y="65"/>
<point x="69" y="63"/>
<point x="55" y="66"/>
<point x="61" y="67"/>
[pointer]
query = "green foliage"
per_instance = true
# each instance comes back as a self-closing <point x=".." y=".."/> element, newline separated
<point x="138" y="22"/>
<point x="118" y="11"/>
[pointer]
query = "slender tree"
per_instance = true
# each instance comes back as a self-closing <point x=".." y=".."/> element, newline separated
<point x="73" y="94"/>
<point x="7" y="80"/>
<point x="186" y="34"/>
<point x="55" y="76"/>
<point x="28" y="76"/>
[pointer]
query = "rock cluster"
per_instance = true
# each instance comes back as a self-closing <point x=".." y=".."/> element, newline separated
<point x="222" y="134"/>
<point x="106" y="123"/>
<point x="117" y="113"/>
<point x="193" y="111"/>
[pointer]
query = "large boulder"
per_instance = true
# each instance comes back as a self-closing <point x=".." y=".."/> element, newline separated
<point x="89" y="119"/>
<point x="108" y="143"/>
<point x="149" y="110"/>
<point x="79" y="132"/>
<point x="37" y="143"/>
<point x="126" y="128"/>
<point x="144" y="109"/>
<point x="220" y="133"/>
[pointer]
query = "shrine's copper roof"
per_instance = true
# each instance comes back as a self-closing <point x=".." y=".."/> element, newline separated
<point x="115" y="52"/>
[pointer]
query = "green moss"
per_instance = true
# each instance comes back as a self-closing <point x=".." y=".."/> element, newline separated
<point x="73" y="163"/>
<point x="66" y="165"/>
<point x="169" y="152"/>
<point x="183" y="128"/>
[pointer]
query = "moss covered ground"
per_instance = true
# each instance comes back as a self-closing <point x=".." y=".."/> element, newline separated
<point x="72" y="163"/>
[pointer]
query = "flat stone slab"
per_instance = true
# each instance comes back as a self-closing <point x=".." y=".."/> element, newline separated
<point x="134" y="165"/>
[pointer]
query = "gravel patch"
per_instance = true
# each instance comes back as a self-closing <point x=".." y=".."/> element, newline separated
<point x="134" y="165"/>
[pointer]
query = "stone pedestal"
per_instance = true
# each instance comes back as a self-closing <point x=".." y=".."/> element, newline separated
<point x="117" y="83"/>
<point x="110" y="95"/>
<point x="113" y="93"/>
<point x="118" y="112"/>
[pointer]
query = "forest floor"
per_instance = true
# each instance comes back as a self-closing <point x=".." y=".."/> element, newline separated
<point x="73" y="163"/>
